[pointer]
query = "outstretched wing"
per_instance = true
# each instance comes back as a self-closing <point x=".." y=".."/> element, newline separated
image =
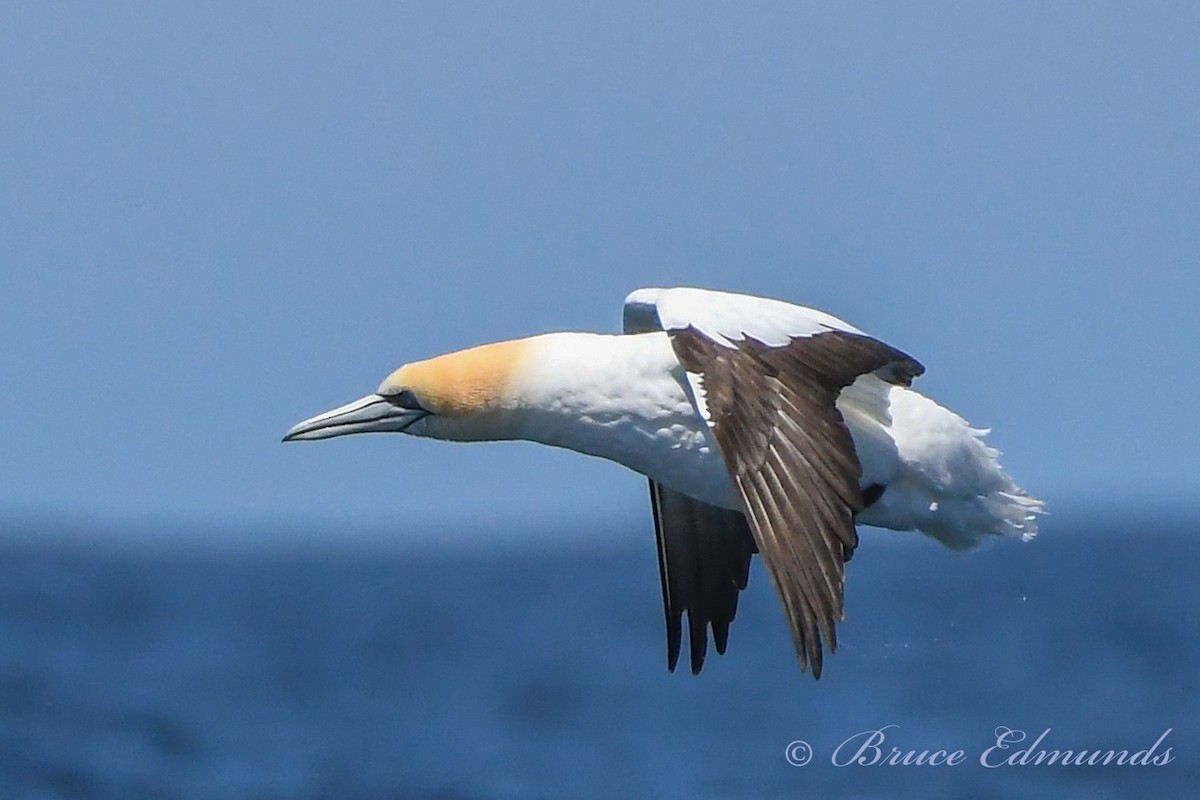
<point x="766" y="375"/>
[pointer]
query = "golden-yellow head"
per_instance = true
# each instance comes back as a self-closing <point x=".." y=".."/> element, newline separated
<point x="463" y="395"/>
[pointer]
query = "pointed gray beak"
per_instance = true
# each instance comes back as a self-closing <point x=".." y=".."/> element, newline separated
<point x="371" y="414"/>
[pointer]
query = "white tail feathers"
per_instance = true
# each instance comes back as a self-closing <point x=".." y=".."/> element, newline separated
<point x="962" y="523"/>
<point x="949" y="484"/>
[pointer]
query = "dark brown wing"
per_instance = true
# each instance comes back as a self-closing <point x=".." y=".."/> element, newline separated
<point x="772" y="411"/>
<point x="704" y="557"/>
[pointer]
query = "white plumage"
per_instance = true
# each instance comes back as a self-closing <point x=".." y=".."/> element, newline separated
<point x="726" y="317"/>
<point x="762" y="426"/>
<point x="940" y="476"/>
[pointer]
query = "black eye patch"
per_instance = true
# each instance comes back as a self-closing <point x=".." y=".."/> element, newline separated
<point x="405" y="399"/>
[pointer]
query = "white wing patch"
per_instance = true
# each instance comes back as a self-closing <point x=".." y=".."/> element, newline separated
<point x="726" y="318"/>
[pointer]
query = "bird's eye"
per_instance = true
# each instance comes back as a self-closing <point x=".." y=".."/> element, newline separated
<point x="405" y="399"/>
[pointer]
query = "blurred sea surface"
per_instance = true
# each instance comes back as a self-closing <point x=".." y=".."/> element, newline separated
<point x="535" y="668"/>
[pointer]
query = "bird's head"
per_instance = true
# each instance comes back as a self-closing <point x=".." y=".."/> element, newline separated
<point x="466" y="396"/>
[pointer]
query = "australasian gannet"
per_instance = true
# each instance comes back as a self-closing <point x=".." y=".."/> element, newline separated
<point x="763" y="427"/>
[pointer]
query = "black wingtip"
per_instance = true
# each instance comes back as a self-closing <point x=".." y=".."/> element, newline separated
<point x="704" y="555"/>
<point x="697" y="641"/>
<point x="720" y="631"/>
<point x="674" y="637"/>
<point x="818" y="658"/>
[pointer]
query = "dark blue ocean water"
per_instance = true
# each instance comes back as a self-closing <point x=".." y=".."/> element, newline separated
<point x="521" y="671"/>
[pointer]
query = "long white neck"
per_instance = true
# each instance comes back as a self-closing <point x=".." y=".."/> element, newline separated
<point x="599" y="394"/>
<point x="617" y="397"/>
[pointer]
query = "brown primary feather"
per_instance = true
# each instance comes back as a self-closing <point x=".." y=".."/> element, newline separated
<point x="773" y="413"/>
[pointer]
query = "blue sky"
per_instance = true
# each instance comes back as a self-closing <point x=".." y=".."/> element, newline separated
<point x="217" y="221"/>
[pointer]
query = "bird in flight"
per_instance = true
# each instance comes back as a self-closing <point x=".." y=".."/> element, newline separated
<point x="762" y="426"/>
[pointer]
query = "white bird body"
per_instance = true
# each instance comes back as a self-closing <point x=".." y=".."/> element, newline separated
<point x="731" y="405"/>
<point x="624" y="398"/>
